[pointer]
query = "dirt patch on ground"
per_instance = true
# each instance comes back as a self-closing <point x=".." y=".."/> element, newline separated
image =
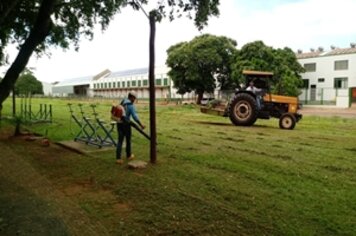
<point x="122" y="208"/>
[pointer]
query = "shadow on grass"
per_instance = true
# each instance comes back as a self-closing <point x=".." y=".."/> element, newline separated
<point x="23" y="213"/>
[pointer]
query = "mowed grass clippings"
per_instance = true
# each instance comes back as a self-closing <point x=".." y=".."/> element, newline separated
<point x="211" y="178"/>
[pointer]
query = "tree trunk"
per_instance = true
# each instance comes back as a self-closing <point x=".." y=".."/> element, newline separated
<point x="37" y="35"/>
<point x="200" y="97"/>
<point x="17" y="128"/>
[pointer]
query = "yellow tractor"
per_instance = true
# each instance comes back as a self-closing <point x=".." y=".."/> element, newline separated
<point x="254" y="101"/>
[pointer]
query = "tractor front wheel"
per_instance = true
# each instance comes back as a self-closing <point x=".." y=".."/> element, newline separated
<point x="243" y="109"/>
<point x="287" y="121"/>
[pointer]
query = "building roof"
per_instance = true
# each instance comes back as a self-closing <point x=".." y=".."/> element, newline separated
<point x="340" y="51"/>
<point x="75" y="81"/>
<point x="332" y="52"/>
<point x="125" y="73"/>
<point x="102" y="74"/>
<point x="308" y="55"/>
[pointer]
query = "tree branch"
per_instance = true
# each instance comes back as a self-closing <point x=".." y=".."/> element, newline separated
<point x="7" y="10"/>
<point x="37" y="35"/>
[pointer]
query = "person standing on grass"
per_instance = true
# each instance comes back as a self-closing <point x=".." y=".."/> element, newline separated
<point x="124" y="127"/>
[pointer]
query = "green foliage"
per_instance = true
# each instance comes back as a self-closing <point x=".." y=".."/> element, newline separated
<point x="28" y="84"/>
<point x="203" y="9"/>
<point x="70" y="20"/>
<point x="196" y="64"/>
<point x="73" y="19"/>
<point x="282" y="62"/>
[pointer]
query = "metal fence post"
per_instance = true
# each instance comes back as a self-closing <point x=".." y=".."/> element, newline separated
<point x="306" y="96"/>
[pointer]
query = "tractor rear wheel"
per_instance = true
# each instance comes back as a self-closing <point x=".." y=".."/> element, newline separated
<point x="287" y="121"/>
<point x="243" y="109"/>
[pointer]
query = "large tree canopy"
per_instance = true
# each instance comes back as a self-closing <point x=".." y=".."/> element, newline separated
<point x="38" y="24"/>
<point x="282" y="62"/>
<point x="27" y="84"/>
<point x="196" y="65"/>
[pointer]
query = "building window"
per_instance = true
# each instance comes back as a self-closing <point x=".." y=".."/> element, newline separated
<point x="165" y="82"/>
<point x="321" y="80"/>
<point x="118" y="84"/>
<point x="133" y="83"/>
<point x="94" y="86"/>
<point x="106" y="85"/>
<point x="128" y="83"/>
<point x="114" y="84"/>
<point x="123" y="84"/>
<point x="145" y="82"/>
<point x="310" y="67"/>
<point x="341" y="65"/>
<point x="305" y="83"/>
<point x="139" y="83"/>
<point x="110" y="85"/>
<point x="340" y="83"/>
<point x="159" y="82"/>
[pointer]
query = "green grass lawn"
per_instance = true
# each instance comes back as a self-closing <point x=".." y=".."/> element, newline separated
<point x="211" y="178"/>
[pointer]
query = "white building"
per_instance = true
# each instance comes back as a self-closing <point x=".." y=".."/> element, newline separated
<point x="73" y="87"/>
<point x="117" y="84"/>
<point x="47" y="88"/>
<point x="330" y="76"/>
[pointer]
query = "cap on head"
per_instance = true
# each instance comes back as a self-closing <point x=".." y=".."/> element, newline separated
<point x="132" y="94"/>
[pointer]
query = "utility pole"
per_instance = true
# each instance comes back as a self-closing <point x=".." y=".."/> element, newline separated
<point x="151" y="80"/>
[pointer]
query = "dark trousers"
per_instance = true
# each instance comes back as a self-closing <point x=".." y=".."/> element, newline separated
<point x="124" y="131"/>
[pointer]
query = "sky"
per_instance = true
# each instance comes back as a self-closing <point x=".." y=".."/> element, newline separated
<point x="297" y="24"/>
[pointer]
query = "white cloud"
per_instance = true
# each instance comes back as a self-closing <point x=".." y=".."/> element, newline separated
<point x="298" y="24"/>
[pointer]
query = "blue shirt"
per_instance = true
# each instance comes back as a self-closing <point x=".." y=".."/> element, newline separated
<point x="130" y="110"/>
